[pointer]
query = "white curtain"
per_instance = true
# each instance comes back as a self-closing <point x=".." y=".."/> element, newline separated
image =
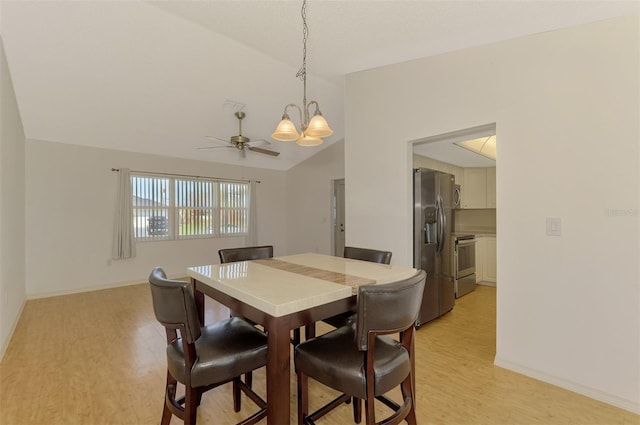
<point x="252" y="233"/>
<point x="123" y="242"/>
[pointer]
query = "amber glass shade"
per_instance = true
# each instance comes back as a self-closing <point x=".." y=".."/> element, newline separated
<point x="307" y="140"/>
<point x="318" y="127"/>
<point x="286" y="131"/>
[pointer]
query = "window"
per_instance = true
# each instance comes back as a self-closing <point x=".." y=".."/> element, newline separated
<point x="234" y="208"/>
<point x="166" y="207"/>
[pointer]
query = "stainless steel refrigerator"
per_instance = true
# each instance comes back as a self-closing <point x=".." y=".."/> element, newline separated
<point x="433" y="227"/>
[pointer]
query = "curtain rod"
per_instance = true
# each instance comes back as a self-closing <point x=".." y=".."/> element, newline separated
<point x="187" y="175"/>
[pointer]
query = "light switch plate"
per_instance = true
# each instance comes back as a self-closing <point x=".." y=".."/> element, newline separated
<point x="554" y="226"/>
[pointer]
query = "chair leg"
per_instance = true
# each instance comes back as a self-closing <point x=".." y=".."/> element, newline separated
<point x="370" y="411"/>
<point x="236" y="394"/>
<point x="248" y="379"/>
<point x="303" y="398"/>
<point x="357" y="410"/>
<point x="296" y="337"/>
<point x="190" y="405"/>
<point x="407" y="393"/>
<point x="310" y="331"/>
<point x="170" y="391"/>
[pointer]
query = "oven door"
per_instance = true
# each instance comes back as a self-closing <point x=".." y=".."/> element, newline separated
<point x="464" y="285"/>
<point x="465" y="257"/>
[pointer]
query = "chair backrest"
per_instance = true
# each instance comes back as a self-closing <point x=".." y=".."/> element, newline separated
<point x="230" y="255"/>
<point x="388" y="308"/>
<point x="373" y="255"/>
<point x="174" y="305"/>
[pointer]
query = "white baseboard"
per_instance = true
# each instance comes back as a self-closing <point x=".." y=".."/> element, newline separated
<point x="80" y="290"/>
<point x="94" y="288"/>
<point x="595" y="394"/>
<point x="14" y="325"/>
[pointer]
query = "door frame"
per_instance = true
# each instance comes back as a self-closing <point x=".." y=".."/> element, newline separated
<point x="337" y="210"/>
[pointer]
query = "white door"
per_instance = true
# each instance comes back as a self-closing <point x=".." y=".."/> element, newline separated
<point x="338" y="217"/>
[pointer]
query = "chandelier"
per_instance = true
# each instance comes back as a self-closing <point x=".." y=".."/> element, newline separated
<point x="314" y="130"/>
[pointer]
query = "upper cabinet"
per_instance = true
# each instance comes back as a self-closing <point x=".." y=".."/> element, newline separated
<point x="479" y="188"/>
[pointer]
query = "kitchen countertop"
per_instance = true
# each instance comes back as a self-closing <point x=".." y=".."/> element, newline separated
<point x="477" y="233"/>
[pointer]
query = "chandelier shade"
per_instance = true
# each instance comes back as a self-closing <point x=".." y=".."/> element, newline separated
<point x="286" y="130"/>
<point x="306" y="140"/>
<point x="318" y="126"/>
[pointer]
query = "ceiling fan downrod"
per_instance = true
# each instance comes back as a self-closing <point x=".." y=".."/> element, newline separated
<point x="239" y="140"/>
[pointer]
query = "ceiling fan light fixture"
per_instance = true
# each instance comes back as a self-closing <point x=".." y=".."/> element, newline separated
<point x="286" y="130"/>
<point x="307" y="140"/>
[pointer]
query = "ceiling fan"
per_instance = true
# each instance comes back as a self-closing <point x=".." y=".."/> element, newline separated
<point x="241" y="142"/>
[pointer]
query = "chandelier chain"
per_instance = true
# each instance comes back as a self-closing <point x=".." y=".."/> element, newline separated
<point x="302" y="73"/>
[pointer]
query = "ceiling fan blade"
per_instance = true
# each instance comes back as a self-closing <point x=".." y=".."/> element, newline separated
<point x="217" y="139"/>
<point x="260" y="142"/>
<point x="264" y="151"/>
<point x="214" y="147"/>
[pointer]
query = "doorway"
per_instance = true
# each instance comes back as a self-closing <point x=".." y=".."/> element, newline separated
<point x="462" y="153"/>
<point x="475" y="173"/>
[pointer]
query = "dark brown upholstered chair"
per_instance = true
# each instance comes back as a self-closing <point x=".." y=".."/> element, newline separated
<point x="202" y="358"/>
<point x="364" y="254"/>
<point x="373" y="255"/>
<point x="360" y="360"/>
<point x="230" y="255"/>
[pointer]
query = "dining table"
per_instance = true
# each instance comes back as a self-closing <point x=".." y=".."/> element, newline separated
<point x="285" y="293"/>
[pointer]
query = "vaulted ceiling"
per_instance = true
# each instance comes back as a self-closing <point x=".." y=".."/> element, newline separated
<point x="158" y="76"/>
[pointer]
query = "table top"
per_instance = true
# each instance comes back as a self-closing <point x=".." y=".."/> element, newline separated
<point x="292" y="283"/>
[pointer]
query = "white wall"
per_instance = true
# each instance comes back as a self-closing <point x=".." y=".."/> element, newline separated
<point x="12" y="209"/>
<point x="566" y="106"/>
<point x="70" y="210"/>
<point x="310" y="191"/>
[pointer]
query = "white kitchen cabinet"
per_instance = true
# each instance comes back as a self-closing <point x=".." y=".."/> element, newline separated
<point x="490" y="256"/>
<point x="474" y="190"/>
<point x="479" y="188"/>
<point x="480" y="249"/>
<point x="486" y="269"/>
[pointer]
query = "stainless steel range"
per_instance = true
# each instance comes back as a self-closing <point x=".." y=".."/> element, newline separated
<point x="464" y="260"/>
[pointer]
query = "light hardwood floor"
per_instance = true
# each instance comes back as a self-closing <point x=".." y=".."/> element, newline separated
<point x="98" y="358"/>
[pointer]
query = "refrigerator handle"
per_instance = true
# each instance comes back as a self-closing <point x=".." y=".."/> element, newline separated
<point x="442" y="225"/>
<point x="439" y="226"/>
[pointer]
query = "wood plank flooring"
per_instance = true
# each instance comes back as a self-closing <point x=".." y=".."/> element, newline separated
<point x="98" y="358"/>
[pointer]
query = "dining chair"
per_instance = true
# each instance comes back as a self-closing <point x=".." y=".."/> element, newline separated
<point x="202" y="358"/>
<point x="364" y="254"/>
<point x="361" y="360"/>
<point x="230" y="255"/>
<point x="339" y="320"/>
